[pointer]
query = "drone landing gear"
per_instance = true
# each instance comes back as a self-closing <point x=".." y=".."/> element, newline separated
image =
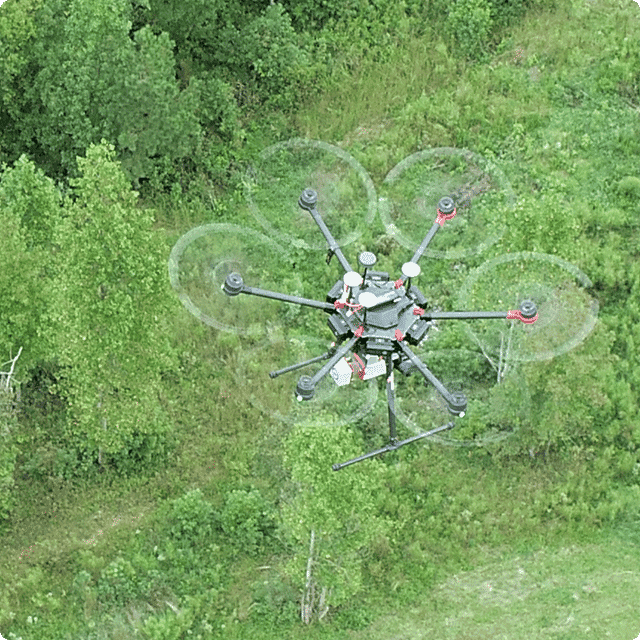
<point x="393" y="440"/>
<point x="392" y="446"/>
<point x="300" y="365"/>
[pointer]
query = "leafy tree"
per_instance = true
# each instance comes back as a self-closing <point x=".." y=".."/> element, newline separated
<point x="29" y="206"/>
<point x="111" y="300"/>
<point x="330" y="516"/>
<point x="252" y="47"/>
<point x="32" y="197"/>
<point x="18" y="31"/>
<point x="88" y="79"/>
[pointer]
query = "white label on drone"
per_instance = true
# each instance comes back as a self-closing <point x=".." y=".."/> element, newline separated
<point x="375" y="369"/>
<point x="341" y="372"/>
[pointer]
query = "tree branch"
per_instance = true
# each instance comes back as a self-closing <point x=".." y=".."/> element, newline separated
<point x="7" y="381"/>
<point x="306" y="608"/>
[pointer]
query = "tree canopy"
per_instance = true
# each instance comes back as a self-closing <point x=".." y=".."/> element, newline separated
<point x="107" y="314"/>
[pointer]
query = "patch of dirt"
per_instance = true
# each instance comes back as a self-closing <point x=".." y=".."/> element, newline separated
<point x="365" y="133"/>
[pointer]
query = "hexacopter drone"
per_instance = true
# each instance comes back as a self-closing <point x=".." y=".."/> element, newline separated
<point x="373" y="320"/>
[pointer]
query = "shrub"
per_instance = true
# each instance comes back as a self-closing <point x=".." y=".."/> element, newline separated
<point x="468" y="24"/>
<point x="218" y="110"/>
<point x="618" y="73"/>
<point x="277" y="602"/>
<point x="192" y="518"/>
<point x="180" y="623"/>
<point x="188" y="570"/>
<point x="247" y="519"/>
<point x="267" y="56"/>
<point x="309" y="15"/>
<point x="118" y="582"/>
<point x="506" y="12"/>
<point x="629" y="187"/>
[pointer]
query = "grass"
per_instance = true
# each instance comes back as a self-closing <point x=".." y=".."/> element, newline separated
<point x="573" y="592"/>
<point x="526" y="577"/>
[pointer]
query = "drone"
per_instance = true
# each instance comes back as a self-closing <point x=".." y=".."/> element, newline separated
<point x="374" y="320"/>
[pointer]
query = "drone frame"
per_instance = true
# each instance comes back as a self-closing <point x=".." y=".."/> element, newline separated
<point x="380" y="317"/>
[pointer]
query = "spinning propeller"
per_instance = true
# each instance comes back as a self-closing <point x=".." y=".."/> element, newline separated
<point x="531" y="306"/>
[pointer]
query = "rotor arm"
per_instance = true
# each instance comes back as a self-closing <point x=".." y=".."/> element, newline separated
<point x="527" y="313"/>
<point x="234" y="285"/>
<point x="425" y="243"/>
<point x="457" y="403"/>
<point x="446" y="211"/>
<point x="463" y="315"/>
<point x="392" y="446"/>
<point x="308" y="201"/>
<point x="306" y="387"/>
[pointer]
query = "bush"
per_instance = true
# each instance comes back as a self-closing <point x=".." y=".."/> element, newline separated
<point x="192" y="518"/>
<point x="218" y="110"/>
<point x="468" y="24"/>
<point x="505" y="12"/>
<point x="629" y="187"/>
<point x="118" y="582"/>
<point x="81" y="582"/>
<point x="619" y="71"/>
<point x="247" y="519"/>
<point x="188" y="570"/>
<point x="311" y="15"/>
<point x="193" y="615"/>
<point x="277" y="602"/>
<point x="267" y="57"/>
<point x="540" y="223"/>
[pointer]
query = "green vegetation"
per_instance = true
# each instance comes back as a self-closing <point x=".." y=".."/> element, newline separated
<point x="154" y="482"/>
<point x="576" y="591"/>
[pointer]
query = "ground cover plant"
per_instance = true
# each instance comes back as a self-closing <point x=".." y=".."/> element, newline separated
<point x="202" y="521"/>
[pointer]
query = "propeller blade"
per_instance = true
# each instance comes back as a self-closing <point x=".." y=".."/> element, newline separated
<point x="200" y="262"/>
<point x="481" y="193"/>
<point x="347" y="199"/>
<point x="567" y="311"/>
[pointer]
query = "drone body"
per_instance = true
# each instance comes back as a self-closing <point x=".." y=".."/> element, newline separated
<point x="375" y="319"/>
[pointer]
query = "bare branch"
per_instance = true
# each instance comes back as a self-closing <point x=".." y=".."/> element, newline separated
<point x="306" y="609"/>
<point x="323" y="607"/>
<point x="486" y="355"/>
<point x="7" y="381"/>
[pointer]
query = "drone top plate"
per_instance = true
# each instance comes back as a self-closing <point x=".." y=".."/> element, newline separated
<point x="382" y="312"/>
<point x="388" y="309"/>
<point x="367" y="299"/>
